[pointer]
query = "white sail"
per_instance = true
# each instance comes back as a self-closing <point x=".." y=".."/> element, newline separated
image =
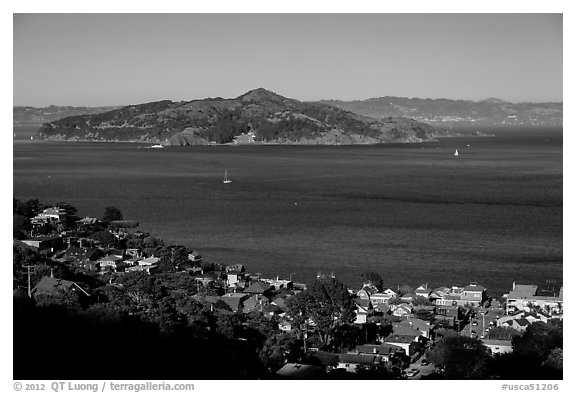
<point x="456" y="152"/>
<point x="226" y="180"/>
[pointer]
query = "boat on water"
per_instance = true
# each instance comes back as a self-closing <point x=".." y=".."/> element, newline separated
<point x="226" y="180"/>
<point x="456" y="152"/>
<point x="157" y="146"/>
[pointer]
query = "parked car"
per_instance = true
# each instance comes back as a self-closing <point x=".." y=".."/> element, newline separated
<point x="412" y="372"/>
<point x="475" y="323"/>
<point x="425" y="362"/>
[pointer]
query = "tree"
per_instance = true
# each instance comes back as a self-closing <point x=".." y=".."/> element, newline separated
<point x="105" y="238"/>
<point x="172" y="257"/>
<point x="20" y="226"/>
<point x="554" y="359"/>
<point x="327" y="303"/>
<point x="539" y="340"/>
<point x="421" y="301"/>
<point x="111" y="213"/>
<point x="461" y="357"/>
<point x="502" y="333"/>
<point x="373" y="278"/>
<point x="280" y="349"/>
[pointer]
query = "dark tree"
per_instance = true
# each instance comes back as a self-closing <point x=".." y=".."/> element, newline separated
<point x="105" y="238"/>
<point x="461" y="357"/>
<point x="111" y="213"/>
<point x="325" y="301"/>
<point x="373" y="278"/>
<point x="172" y="258"/>
<point x="20" y="226"/>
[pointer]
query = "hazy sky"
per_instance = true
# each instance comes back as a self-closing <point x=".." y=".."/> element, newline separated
<point x="114" y="59"/>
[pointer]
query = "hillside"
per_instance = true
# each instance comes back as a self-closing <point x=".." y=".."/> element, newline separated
<point x="31" y="116"/>
<point x="270" y="117"/>
<point x="442" y="112"/>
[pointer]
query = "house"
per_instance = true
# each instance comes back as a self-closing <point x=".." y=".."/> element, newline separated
<point x="244" y="138"/>
<point x="52" y="286"/>
<point x="150" y="269"/>
<point x="498" y="346"/>
<point x="111" y="261"/>
<point x="87" y="223"/>
<point x="46" y="244"/>
<point x="234" y="273"/>
<point x="423" y="291"/>
<point x="474" y="294"/>
<point x="408" y="297"/>
<point x="526" y="298"/>
<point x="301" y="371"/>
<point x="51" y="215"/>
<point x="363" y="310"/>
<point x="407" y="343"/>
<point x="277" y="283"/>
<point x="447" y="316"/>
<point x="438" y="293"/>
<point x="366" y="292"/>
<point x="234" y="301"/>
<point x="195" y="257"/>
<point x="385" y="351"/>
<point x="412" y="327"/>
<point x="259" y="288"/>
<point x="382" y="297"/>
<point x="401" y="310"/>
<point x="270" y="310"/>
<point x="352" y="362"/>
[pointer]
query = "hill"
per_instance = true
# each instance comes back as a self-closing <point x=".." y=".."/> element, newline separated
<point x="31" y="116"/>
<point x="442" y="112"/>
<point x="269" y="117"/>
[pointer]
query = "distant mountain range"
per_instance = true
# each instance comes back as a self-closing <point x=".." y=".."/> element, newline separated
<point x="264" y="116"/>
<point x="450" y="113"/>
<point x="30" y="116"/>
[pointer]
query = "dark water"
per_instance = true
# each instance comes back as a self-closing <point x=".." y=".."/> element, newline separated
<point x="412" y="212"/>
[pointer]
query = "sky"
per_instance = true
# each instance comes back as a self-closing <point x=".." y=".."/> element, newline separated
<point x="118" y="59"/>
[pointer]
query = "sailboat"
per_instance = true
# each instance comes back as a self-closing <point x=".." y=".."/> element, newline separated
<point x="226" y="180"/>
<point x="456" y="152"/>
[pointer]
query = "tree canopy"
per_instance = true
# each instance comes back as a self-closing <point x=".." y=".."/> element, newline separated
<point x="327" y="303"/>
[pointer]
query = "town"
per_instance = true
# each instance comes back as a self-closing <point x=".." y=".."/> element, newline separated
<point x="136" y="297"/>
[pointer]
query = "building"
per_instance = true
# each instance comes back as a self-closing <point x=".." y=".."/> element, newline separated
<point x="353" y="362"/>
<point x="471" y="295"/>
<point x="301" y="371"/>
<point x="498" y="346"/>
<point x="52" y="286"/>
<point x="526" y="298"/>
<point x="45" y="245"/>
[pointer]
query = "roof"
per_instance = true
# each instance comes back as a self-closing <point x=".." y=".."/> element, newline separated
<point x="51" y="286"/>
<point x="397" y="338"/>
<point x="382" y="349"/>
<point x="521" y="290"/>
<point x="235" y="303"/>
<point x="358" y="358"/>
<point x="88" y="220"/>
<point x="124" y="223"/>
<point x="365" y="303"/>
<point x="497" y="342"/>
<point x="300" y="371"/>
<point x="111" y="258"/>
<point x="474" y="288"/>
<point x="148" y="261"/>
<point x="258" y="287"/>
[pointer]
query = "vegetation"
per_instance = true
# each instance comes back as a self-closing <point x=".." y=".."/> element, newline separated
<point x="270" y="116"/>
